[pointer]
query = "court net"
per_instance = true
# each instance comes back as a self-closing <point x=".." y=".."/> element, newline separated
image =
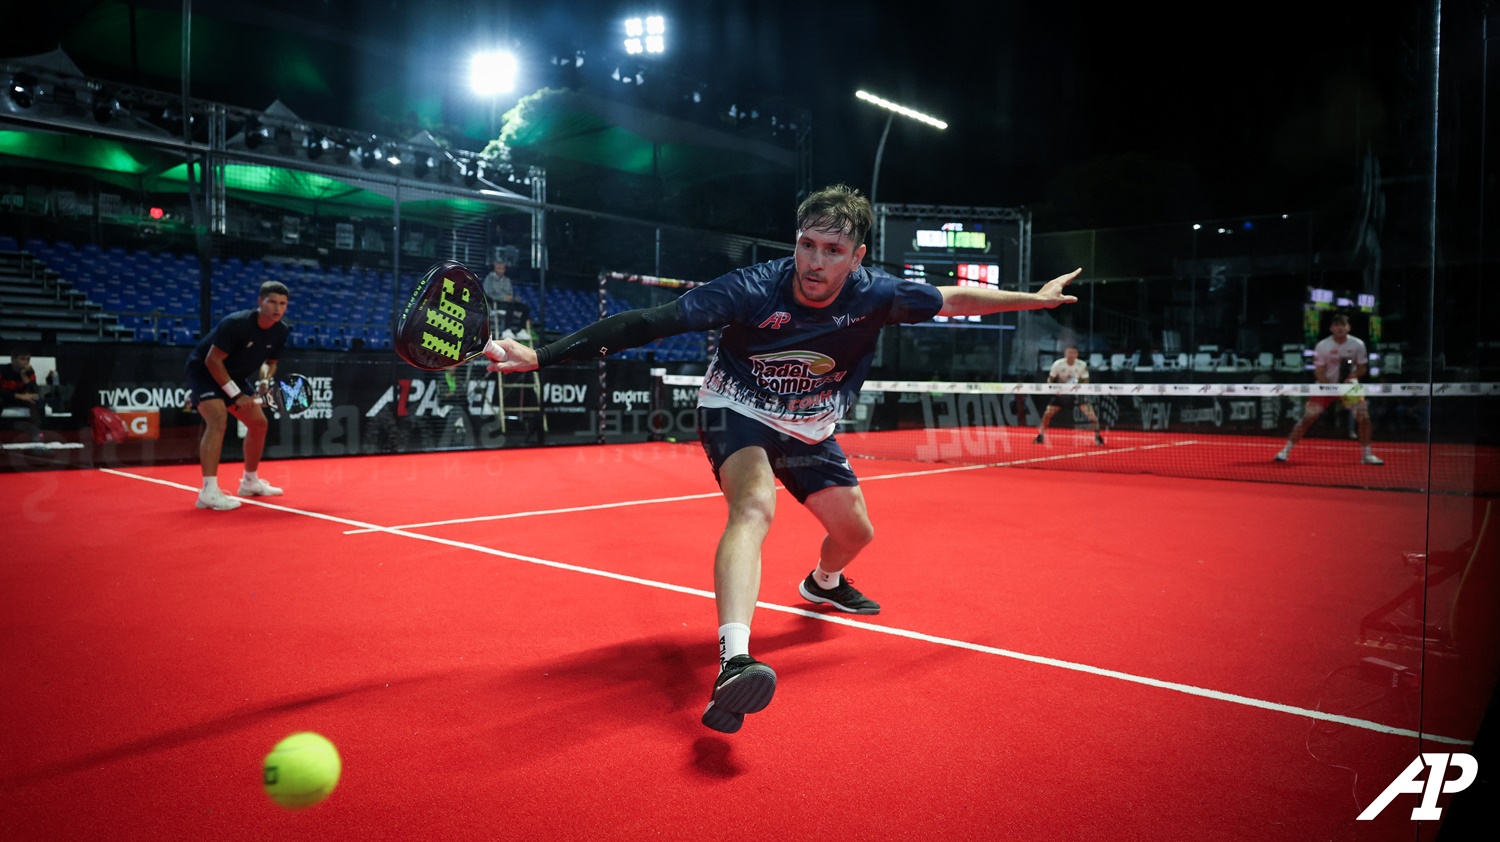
<point x="1430" y="437"/>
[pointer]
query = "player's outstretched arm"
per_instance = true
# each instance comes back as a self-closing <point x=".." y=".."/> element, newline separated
<point x="982" y="301"/>
<point x="630" y="329"/>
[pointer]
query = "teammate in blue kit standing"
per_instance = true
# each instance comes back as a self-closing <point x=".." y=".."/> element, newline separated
<point x="799" y="335"/>
<point x="243" y="346"/>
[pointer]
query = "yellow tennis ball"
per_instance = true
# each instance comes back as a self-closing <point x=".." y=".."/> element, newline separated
<point x="1353" y="393"/>
<point x="301" y="770"/>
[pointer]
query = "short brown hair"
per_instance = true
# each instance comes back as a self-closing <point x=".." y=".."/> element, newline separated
<point x="837" y="209"/>
<point x="273" y="288"/>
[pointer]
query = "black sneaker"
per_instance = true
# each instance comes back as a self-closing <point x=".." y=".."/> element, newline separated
<point x="1099" y="439"/>
<point x="1041" y="438"/>
<point x="745" y="685"/>
<point x="844" y="597"/>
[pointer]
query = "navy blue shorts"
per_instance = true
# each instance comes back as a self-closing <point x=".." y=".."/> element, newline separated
<point x="202" y="386"/>
<point x="803" y="468"/>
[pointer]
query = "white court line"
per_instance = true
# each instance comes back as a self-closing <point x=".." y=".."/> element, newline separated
<point x="570" y="509"/>
<point x="1072" y="666"/>
<point x="1034" y="459"/>
<point x="653" y="500"/>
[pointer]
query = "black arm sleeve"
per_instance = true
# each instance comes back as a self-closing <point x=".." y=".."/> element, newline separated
<point x="630" y="329"/>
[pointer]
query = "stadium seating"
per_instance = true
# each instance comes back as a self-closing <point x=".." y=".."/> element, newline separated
<point x="156" y="295"/>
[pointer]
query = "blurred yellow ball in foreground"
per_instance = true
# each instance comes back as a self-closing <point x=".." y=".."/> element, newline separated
<point x="301" y="770"/>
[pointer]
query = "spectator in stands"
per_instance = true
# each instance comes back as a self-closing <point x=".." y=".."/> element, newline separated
<point x="1338" y="358"/>
<point x="497" y="286"/>
<point x="509" y="314"/>
<point x="243" y="347"/>
<point x="1069" y="369"/>
<point x="800" y="333"/>
<point x="18" y="388"/>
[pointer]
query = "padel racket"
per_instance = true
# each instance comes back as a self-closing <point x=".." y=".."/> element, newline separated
<point x="288" y="394"/>
<point x="1346" y="368"/>
<point x="446" y="321"/>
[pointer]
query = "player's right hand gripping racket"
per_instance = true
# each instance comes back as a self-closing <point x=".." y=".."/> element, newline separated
<point x="287" y="394"/>
<point x="446" y="320"/>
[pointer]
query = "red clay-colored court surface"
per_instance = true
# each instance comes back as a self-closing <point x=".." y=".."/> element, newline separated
<point x="518" y="644"/>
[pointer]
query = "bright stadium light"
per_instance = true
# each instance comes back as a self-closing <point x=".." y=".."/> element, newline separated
<point x="894" y="109"/>
<point x="634" y="29"/>
<point x="902" y="110"/>
<point x="645" y="35"/>
<point x="656" y="31"/>
<point x="493" y="73"/>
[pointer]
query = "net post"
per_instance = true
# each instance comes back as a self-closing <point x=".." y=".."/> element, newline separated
<point x="602" y="401"/>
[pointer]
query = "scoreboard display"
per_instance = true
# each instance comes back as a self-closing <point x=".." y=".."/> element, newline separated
<point x="1321" y="301"/>
<point x="950" y="252"/>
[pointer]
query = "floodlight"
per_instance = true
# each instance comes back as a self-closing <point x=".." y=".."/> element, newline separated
<point x="23" y="89"/>
<point x="894" y="109"/>
<point x="105" y="104"/>
<point x="315" y="144"/>
<point x="493" y="73"/>
<point x="170" y="118"/>
<point x="653" y="28"/>
<point x="254" y="133"/>
<point x="369" y="152"/>
<point x="902" y="110"/>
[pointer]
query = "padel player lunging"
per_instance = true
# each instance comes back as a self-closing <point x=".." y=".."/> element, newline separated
<point x="799" y="335"/>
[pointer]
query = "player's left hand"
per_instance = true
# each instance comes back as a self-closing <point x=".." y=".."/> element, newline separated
<point x="1051" y="293"/>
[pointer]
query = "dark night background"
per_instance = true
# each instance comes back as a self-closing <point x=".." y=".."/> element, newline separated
<point x="1090" y="114"/>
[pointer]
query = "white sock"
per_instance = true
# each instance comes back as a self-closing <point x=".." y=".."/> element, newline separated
<point x="210" y="485"/>
<point x="825" y="579"/>
<point x="734" y="639"/>
<point x="250" y="476"/>
<point x="1289" y="445"/>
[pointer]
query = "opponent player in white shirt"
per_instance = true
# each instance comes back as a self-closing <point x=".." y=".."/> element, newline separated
<point x="1069" y="369"/>
<point x="1338" y="358"/>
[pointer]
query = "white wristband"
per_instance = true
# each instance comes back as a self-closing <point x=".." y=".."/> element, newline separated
<point x="232" y="389"/>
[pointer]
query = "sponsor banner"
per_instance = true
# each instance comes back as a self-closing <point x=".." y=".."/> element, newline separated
<point x="374" y="403"/>
<point x="140" y="424"/>
<point x="140" y="396"/>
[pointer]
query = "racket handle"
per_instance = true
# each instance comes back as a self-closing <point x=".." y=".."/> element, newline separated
<point x="495" y="351"/>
